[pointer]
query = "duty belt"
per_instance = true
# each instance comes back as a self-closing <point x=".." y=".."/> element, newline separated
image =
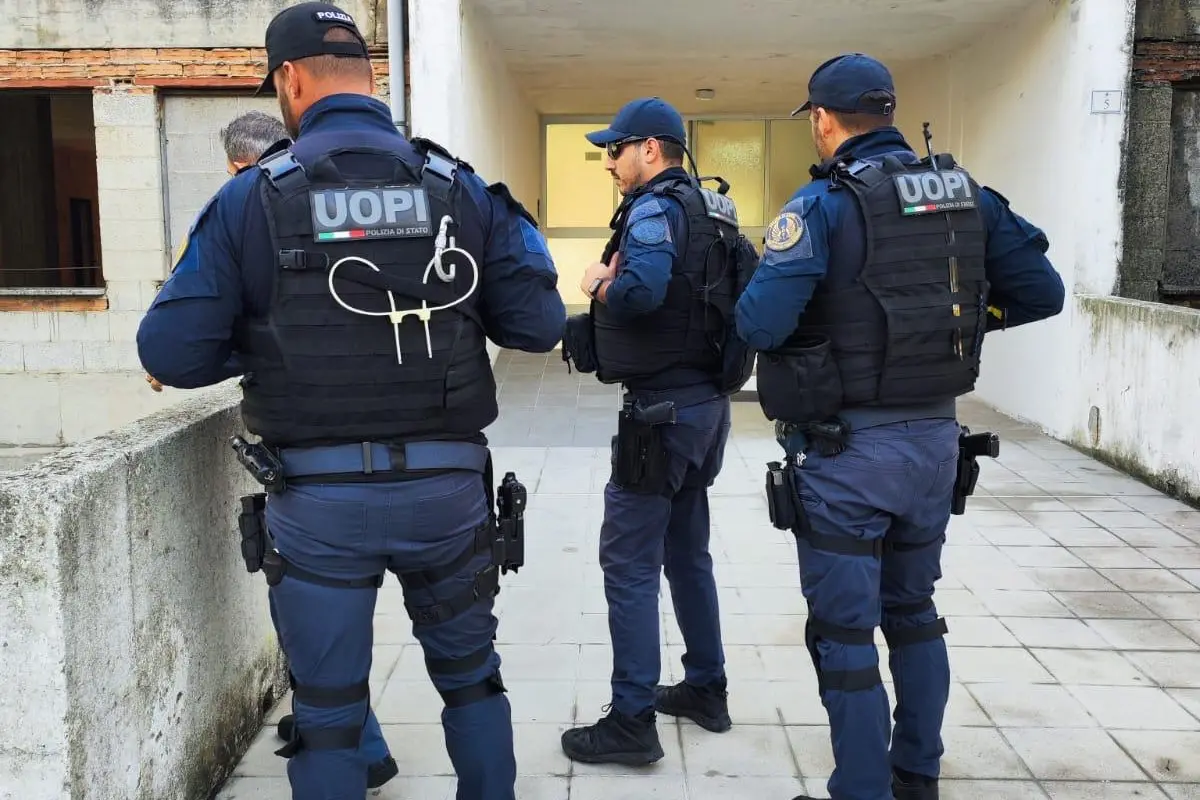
<point x="369" y="458"/>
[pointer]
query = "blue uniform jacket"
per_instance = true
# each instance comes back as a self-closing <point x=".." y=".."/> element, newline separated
<point x="649" y="245"/>
<point x="1023" y="283"/>
<point x="226" y="269"/>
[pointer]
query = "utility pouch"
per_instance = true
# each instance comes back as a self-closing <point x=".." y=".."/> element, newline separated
<point x="781" y="507"/>
<point x="639" y="458"/>
<point x="800" y="382"/>
<point x="579" y="343"/>
<point x="253" y="530"/>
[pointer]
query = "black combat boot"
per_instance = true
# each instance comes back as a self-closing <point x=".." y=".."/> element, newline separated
<point x="615" y="739"/>
<point x="707" y="706"/>
<point x="910" y="786"/>
<point x="378" y="773"/>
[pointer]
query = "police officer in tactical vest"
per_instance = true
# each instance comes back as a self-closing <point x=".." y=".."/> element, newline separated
<point x="869" y="307"/>
<point x="661" y="323"/>
<point x="351" y="279"/>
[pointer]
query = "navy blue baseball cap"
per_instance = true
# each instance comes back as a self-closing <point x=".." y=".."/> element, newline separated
<point x="299" y="32"/>
<point x="842" y="83"/>
<point x="644" y="118"/>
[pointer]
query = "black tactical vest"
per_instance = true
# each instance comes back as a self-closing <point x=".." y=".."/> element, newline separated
<point x="909" y="329"/>
<point x="687" y="331"/>
<point x="319" y="373"/>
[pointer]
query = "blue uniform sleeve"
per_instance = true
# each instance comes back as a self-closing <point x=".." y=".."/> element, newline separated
<point x="185" y="339"/>
<point x="795" y="258"/>
<point x="1024" y="285"/>
<point x="648" y="252"/>
<point x="522" y="308"/>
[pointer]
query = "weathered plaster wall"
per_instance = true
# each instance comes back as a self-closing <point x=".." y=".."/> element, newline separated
<point x="1140" y="383"/>
<point x="151" y="23"/>
<point x="138" y="654"/>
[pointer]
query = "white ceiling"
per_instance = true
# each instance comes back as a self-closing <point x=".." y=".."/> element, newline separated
<point x="589" y="56"/>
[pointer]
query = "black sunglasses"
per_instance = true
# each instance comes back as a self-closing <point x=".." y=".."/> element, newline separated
<point x="614" y="148"/>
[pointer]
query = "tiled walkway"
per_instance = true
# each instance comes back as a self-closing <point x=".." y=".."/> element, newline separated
<point x="1072" y="594"/>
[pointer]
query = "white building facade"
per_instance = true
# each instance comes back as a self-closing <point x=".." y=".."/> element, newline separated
<point x="1031" y="96"/>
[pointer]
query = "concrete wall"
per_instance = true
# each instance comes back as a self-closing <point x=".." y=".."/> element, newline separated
<point x="1035" y="140"/>
<point x="194" y="158"/>
<point x="463" y="97"/>
<point x="69" y="375"/>
<point x="151" y="23"/>
<point x="1141" y="386"/>
<point x="138" y="653"/>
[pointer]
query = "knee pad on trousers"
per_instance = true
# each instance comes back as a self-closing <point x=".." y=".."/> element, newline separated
<point x="916" y="634"/>
<point x="314" y="738"/>
<point x="855" y="680"/>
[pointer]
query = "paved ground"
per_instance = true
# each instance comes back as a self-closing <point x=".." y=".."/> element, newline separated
<point x="1072" y="594"/>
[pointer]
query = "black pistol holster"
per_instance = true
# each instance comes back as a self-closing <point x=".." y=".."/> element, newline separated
<point x="579" y="343"/>
<point x="639" y="459"/>
<point x="970" y="448"/>
<point x="508" y="545"/>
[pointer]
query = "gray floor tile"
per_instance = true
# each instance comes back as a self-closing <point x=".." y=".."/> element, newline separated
<point x="1126" y="634"/>
<point x="1104" y="604"/>
<point x="992" y="790"/>
<point x="1045" y="632"/>
<point x="1172" y="670"/>
<point x="1166" y="756"/>
<point x="1076" y="790"/>
<point x="1134" y="708"/>
<point x="1031" y="705"/>
<point x="996" y="665"/>
<point x="1091" y="667"/>
<point x="1095" y="572"/>
<point x="1068" y="753"/>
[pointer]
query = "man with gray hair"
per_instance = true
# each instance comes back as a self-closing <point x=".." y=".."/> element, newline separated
<point x="245" y="139"/>
<point x="248" y="136"/>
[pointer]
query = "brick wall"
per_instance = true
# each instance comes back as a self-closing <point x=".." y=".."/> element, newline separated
<point x="164" y="67"/>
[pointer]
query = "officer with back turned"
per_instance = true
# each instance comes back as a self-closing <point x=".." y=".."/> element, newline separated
<point x="661" y="323"/>
<point x="869" y="307"/>
<point x="352" y="278"/>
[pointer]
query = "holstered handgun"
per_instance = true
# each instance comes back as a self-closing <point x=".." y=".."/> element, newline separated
<point x="639" y="458"/>
<point x="970" y="448"/>
<point x="508" y="548"/>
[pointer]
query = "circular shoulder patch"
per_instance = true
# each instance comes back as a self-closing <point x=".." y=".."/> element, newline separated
<point x="785" y="231"/>
<point x="652" y="230"/>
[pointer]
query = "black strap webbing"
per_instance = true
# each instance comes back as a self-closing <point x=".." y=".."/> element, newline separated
<point x="486" y="584"/>
<point x="853" y="680"/>
<point x="843" y="545"/>
<point x="908" y="609"/>
<point x="425" y="578"/>
<point x="457" y="698"/>
<point x="331" y="697"/>
<point x="904" y="637"/>
<point x="836" y="633"/>
<point x="347" y="738"/>
<point x="904" y="547"/>
<point x="292" y="571"/>
<point x="457" y="666"/>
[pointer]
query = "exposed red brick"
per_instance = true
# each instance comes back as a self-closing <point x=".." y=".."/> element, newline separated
<point x="1166" y="62"/>
<point x="205" y="82"/>
<point x="171" y="66"/>
<point x="34" y="303"/>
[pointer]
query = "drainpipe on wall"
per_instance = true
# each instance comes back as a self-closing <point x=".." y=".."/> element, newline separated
<point x="397" y="45"/>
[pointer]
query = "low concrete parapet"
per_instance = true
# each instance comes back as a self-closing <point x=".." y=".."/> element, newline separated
<point x="137" y="656"/>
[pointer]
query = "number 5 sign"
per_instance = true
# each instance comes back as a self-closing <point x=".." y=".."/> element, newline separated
<point x="1109" y="101"/>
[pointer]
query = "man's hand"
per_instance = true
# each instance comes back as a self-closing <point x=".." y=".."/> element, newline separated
<point x="154" y="384"/>
<point x="599" y="270"/>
